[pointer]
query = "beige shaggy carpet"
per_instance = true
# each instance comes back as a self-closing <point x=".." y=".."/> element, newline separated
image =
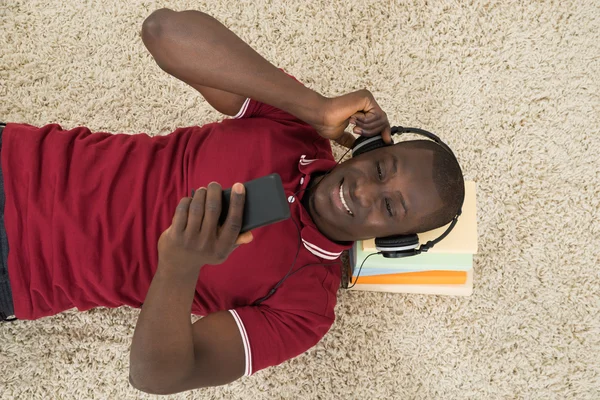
<point x="512" y="86"/>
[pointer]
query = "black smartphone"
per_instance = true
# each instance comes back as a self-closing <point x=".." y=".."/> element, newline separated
<point x="265" y="203"/>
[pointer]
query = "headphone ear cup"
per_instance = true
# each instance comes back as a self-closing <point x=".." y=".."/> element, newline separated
<point x="397" y="246"/>
<point x="364" y="144"/>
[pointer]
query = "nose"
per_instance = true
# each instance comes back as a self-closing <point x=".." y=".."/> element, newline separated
<point x="365" y="193"/>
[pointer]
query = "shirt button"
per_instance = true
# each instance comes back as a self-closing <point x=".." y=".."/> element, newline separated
<point x="302" y="180"/>
<point x="291" y="199"/>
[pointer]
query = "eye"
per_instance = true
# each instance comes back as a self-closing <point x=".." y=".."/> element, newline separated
<point x="379" y="171"/>
<point x="389" y="208"/>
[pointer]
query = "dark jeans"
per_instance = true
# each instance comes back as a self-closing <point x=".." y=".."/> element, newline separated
<point x="6" y="301"/>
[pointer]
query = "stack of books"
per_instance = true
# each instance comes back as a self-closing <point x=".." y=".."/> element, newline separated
<point x="446" y="269"/>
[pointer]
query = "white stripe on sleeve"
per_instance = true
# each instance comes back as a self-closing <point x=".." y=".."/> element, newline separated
<point x="319" y="252"/>
<point x="242" y="111"/>
<point x="244" y="335"/>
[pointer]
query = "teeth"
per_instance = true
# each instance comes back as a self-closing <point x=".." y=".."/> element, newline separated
<point x="344" y="200"/>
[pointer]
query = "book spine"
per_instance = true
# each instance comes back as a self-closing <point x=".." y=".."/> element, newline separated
<point x="416" y="278"/>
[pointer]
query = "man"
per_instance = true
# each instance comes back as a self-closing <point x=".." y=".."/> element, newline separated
<point x="84" y="212"/>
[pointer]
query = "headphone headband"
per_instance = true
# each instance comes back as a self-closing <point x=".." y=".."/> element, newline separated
<point x="399" y="130"/>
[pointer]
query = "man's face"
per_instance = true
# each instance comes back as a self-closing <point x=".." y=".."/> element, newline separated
<point x="387" y="191"/>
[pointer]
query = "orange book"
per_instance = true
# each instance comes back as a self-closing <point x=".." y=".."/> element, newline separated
<point x="416" y="278"/>
<point x="445" y="290"/>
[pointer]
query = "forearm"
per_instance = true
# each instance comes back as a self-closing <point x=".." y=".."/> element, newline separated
<point x="198" y="49"/>
<point x="162" y="350"/>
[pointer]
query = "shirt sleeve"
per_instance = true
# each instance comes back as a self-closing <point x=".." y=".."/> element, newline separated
<point x="287" y="324"/>
<point x="254" y="109"/>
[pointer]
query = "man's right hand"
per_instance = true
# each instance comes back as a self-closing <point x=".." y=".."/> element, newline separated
<point x="359" y="108"/>
<point x="194" y="237"/>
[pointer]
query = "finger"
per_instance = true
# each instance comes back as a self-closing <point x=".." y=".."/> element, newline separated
<point x="181" y="215"/>
<point x="359" y="116"/>
<point x="196" y="211"/>
<point x="212" y="212"/>
<point x="371" y="125"/>
<point x="371" y="130"/>
<point x="369" y="122"/>
<point x="346" y="140"/>
<point x="244" y="238"/>
<point x="374" y="131"/>
<point x="233" y="223"/>
<point x="368" y="117"/>
<point x="387" y="134"/>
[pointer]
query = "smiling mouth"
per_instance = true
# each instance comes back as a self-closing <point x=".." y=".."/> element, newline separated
<point x="343" y="200"/>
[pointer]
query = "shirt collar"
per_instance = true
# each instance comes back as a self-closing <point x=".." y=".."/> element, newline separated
<point x="312" y="239"/>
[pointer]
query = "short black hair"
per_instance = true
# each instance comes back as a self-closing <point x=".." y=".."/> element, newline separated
<point x="449" y="183"/>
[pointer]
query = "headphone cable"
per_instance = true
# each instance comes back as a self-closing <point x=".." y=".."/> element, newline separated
<point x="290" y="273"/>
<point x="359" y="270"/>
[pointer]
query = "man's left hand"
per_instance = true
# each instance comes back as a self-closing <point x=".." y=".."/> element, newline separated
<point x="359" y="108"/>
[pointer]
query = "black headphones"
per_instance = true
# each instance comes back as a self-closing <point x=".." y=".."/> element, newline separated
<point x="402" y="245"/>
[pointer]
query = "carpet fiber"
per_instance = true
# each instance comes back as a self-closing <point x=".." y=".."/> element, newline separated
<point x="512" y="86"/>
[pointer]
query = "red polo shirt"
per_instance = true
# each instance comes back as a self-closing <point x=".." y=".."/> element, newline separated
<point x="84" y="212"/>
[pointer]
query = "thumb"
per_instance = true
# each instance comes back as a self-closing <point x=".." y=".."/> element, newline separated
<point x="346" y="140"/>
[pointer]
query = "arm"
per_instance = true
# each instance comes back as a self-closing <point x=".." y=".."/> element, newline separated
<point x="224" y="102"/>
<point x="169" y="354"/>
<point x="199" y="50"/>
